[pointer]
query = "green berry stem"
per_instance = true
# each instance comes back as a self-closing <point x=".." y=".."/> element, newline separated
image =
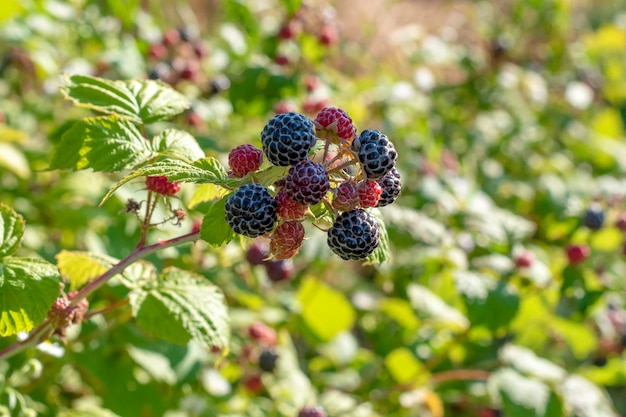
<point x="44" y="330"/>
<point x="342" y="166"/>
<point x="145" y="226"/>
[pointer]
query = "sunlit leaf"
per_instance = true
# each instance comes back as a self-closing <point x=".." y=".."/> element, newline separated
<point x="180" y="306"/>
<point x="11" y="230"/>
<point x="28" y="287"/>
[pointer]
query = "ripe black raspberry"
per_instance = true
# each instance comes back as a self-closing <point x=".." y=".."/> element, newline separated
<point x="251" y="210"/>
<point x="355" y="235"/>
<point x="287" y="138"/>
<point x="307" y="182"/>
<point x="312" y="411"/>
<point x="391" y="185"/>
<point x="376" y="153"/>
<point x="594" y="217"/>
<point x="267" y="360"/>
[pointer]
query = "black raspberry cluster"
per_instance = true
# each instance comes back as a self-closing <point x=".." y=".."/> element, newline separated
<point x="348" y="174"/>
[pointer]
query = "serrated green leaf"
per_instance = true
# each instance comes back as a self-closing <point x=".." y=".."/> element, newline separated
<point x="489" y="302"/>
<point x="214" y="230"/>
<point x="205" y="193"/>
<point x="523" y="397"/>
<point x="177" y="144"/>
<point x="157" y="100"/>
<point x="140" y="101"/>
<point x="325" y="310"/>
<point x="106" y="96"/>
<point x="203" y="171"/>
<point x="11" y="230"/>
<point x="81" y="267"/>
<point x="28" y="287"/>
<point x="180" y="306"/>
<point x="103" y="144"/>
<point x="381" y="253"/>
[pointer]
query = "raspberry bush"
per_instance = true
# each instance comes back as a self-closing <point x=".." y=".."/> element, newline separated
<point x="194" y="225"/>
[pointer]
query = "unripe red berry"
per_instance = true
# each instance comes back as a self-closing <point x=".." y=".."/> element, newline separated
<point x="524" y="259"/>
<point x="263" y="334"/>
<point x="577" y="253"/>
<point x="312" y="105"/>
<point x="369" y="193"/>
<point x="287" y="240"/>
<point x="328" y="35"/>
<point x="337" y="121"/>
<point x="281" y="60"/>
<point x="157" y="51"/>
<point x="620" y="223"/>
<point x="289" y="30"/>
<point x="245" y="159"/>
<point x="346" y="197"/>
<point x="254" y="384"/>
<point x="287" y="208"/>
<point x="171" y="37"/>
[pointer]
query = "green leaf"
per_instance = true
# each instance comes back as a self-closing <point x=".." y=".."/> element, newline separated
<point x="154" y="363"/>
<point x="103" y="144"/>
<point x="144" y="101"/>
<point x="325" y="310"/>
<point x="202" y="171"/>
<point x="81" y="267"/>
<point x="270" y="175"/>
<point x="180" y="306"/>
<point x="205" y="193"/>
<point x="525" y="361"/>
<point x="585" y="398"/>
<point x="523" y="397"/>
<point x="489" y="302"/>
<point x="215" y="230"/>
<point x="14" y="160"/>
<point x="431" y="306"/>
<point x="177" y="144"/>
<point x="381" y="253"/>
<point x="11" y="230"/>
<point x="157" y="100"/>
<point x="28" y="287"/>
<point x="404" y="366"/>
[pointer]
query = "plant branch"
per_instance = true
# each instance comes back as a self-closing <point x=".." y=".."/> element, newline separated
<point x="43" y="331"/>
<point x="459" y="375"/>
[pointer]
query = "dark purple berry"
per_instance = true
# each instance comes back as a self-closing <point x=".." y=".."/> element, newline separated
<point x="267" y="360"/>
<point x="355" y="235"/>
<point x="278" y="271"/>
<point x="391" y="185"/>
<point x="287" y="138"/>
<point x="251" y="210"/>
<point x="312" y="411"/>
<point x="258" y="252"/>
<point x="307" y="182"/>
<point x="594" y="217"/>
<point x="376" y="153"/>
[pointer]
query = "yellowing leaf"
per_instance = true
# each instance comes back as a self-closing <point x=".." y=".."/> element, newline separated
<point x="325" y="310"/>
<point x="403" y="366"/>
<point x="401" y="311"/>
<point x="81" y="267"/>
<point x="205" y="193"/>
